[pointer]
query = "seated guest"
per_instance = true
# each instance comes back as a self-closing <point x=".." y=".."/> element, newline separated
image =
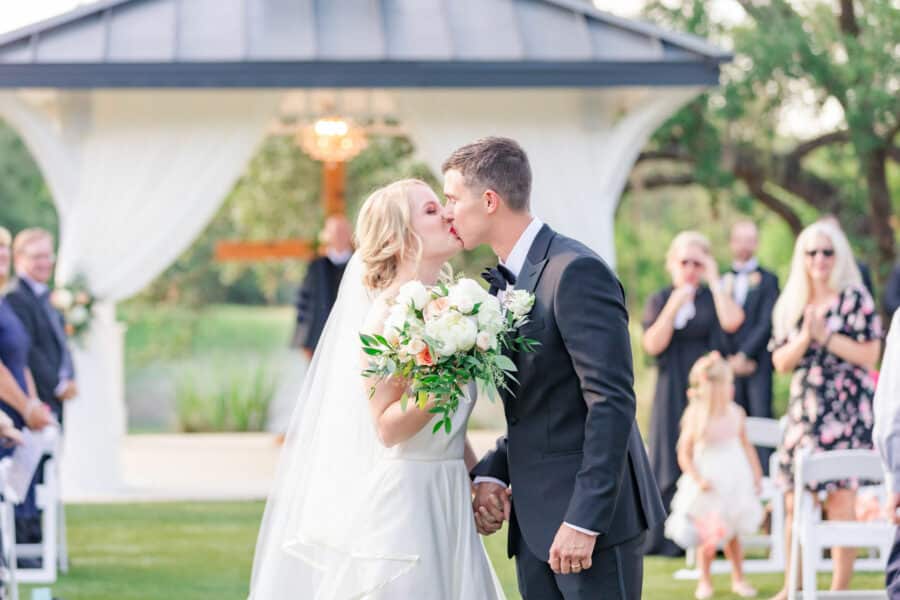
<point x="682" y="322"/>
<point x="755" y="290"/>
<point x="827" y="333"/>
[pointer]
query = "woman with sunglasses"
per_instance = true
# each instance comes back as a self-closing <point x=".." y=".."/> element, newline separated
<point x="682" y="322"/>
<point x="827" y="332"/>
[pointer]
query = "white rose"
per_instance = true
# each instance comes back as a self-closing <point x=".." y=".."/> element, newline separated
<point x="454" y="331"/>
<point x="490" y="318"/>
<point x="485" y="341"/>
<point x="413" y="292"/>
<point x="78" y="316"/>
<point x="519" y="302"/>
<point x="62" y="299"/>
<point x="465" y="294"/>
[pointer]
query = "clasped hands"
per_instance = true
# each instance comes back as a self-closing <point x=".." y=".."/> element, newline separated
<point x="571" y="550"/>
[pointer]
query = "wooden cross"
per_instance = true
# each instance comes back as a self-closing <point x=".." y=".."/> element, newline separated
<point x="333" y="178"/>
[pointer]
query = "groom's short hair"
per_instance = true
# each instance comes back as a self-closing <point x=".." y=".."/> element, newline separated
<point x="497" y="163"/>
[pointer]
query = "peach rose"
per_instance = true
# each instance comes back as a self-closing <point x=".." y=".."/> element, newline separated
<point x="434" y="308"/>
<point x="424" y="358"/>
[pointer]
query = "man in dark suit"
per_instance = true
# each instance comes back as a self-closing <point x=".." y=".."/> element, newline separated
<point x="571" y="475"/>
<point x="756" y="291"/>
<point x="49" y="357"/>
<point x="323" y="278"/>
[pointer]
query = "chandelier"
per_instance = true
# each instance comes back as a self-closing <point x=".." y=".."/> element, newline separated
<point x="332" y="139"/>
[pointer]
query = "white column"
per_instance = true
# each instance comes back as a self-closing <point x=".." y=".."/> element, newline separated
<point x="581" y="143"/>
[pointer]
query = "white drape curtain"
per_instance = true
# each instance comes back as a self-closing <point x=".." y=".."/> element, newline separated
<point x="581" y="143"/>
<point x="151" y="168"/>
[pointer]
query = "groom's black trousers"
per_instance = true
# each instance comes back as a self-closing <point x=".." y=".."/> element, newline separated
<point x="617" y="573"/>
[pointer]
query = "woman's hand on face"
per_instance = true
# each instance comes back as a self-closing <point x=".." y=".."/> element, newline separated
<point x="710" y="271"/>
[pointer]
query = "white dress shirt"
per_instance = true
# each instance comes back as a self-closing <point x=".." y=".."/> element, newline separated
<point x="887" y="405"/>
<point x="742" y="279"/>
<point x="514" y="262"/>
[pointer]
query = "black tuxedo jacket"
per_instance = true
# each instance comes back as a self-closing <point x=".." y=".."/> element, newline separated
<point x="753" y="336"/>
<point x="47" y="352"/>
<point x="573" y="452"/>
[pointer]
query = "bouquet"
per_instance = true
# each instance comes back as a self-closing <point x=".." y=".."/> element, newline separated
<point x="441" y="337"/>
<point x="76" y="305"/>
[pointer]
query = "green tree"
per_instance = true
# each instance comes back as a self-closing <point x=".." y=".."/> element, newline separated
<point x="840" y="54"/>
<point x="25" y="200"/>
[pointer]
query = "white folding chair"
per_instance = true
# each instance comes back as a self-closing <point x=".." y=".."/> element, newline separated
<point x="812" y="534"/>
<point x="52" y="547"/>
<point x="8" y="532"/>
<point x="765" y="433"/>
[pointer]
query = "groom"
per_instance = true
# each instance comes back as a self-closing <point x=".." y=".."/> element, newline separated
<point x="572" y="461"/>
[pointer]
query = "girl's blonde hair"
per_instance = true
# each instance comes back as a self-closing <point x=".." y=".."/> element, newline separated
<point x="683" y="240"/>
<point x="5" y="240"/>
<point x="710" y="379"/>
<point x="384" y="233"/>
<point x="795" y="295"/>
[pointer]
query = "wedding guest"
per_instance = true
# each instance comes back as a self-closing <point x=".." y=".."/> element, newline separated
<point x="827" y="333"/>
<point x="892" y="292"/>
<point x="323" y="277"/>
<point x="718" y="493"/>
<point x="49" y="357"/>
<point x="754" y="289"/>
<point x="18" y="395"/>
<point x="887" y="440"/>
<point x="864" y="271"/>
<point x="682" y="322"/>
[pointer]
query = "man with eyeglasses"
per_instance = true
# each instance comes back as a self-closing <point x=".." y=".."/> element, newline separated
<point x="49" y="358"/>
<point x="755" y="290"/>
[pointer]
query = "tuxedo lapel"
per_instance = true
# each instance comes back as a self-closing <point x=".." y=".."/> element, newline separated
<point x="536" y="261"/>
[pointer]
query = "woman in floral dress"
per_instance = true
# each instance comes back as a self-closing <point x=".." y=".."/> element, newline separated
<point x="827" y="332"/>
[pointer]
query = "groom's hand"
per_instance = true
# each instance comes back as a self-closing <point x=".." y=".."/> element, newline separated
<point x="571" y="551"/>
<point x="491" y="506"/>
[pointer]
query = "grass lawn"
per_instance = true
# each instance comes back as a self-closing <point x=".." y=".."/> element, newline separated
<point x="203" y="551"/>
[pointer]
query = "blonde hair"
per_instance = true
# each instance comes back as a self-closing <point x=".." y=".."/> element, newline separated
<point x="27" y="236"/>
<point x="795" y="295"/>
<point x="710" y="382"/>
<point x="684" y="240"/>
<point x="384" y="233"/>
<point x="5" y="240"/>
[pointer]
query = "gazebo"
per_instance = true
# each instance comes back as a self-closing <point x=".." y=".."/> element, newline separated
<point x="142" y="114"/>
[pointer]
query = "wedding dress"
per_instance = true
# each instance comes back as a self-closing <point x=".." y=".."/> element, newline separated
<point x="350" y="519"/>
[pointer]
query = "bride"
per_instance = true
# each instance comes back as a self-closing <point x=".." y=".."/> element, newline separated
<point x="367" y="502"/>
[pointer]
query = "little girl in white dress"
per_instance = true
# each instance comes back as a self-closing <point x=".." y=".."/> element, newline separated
<point x="717" y="497"/>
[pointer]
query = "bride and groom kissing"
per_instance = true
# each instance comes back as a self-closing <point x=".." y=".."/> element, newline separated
<point x="369" y="503"/>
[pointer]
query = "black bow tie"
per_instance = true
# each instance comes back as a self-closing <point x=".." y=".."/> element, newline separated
<point x="499" y="278"/>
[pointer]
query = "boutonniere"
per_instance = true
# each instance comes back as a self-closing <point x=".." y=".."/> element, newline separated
<point x="755" y="279"/>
